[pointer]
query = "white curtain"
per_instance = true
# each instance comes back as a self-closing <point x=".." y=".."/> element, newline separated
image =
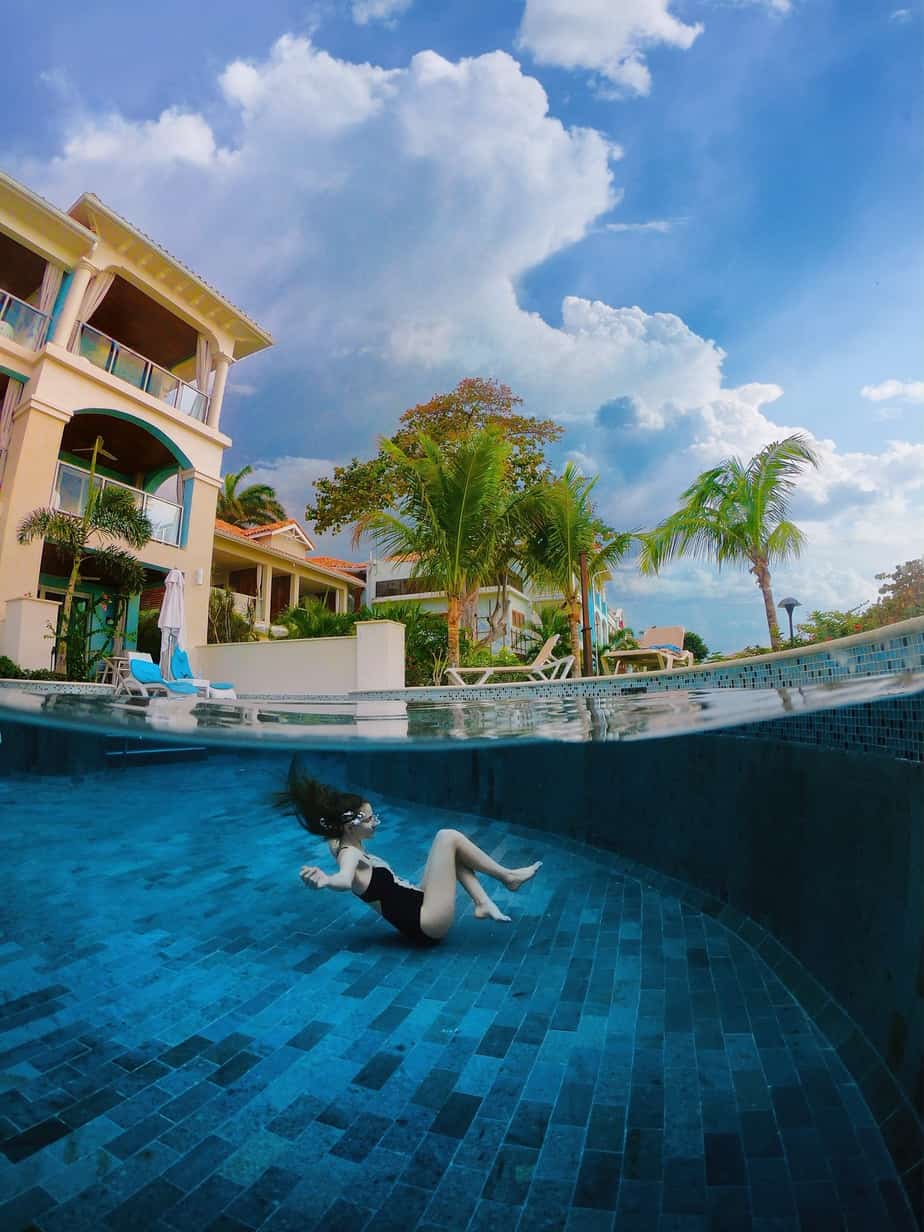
<point x="11" y="396"/>
<point x="51" y="285"/>
<point x="203" y="364"/>
<point x="92" y="298"/>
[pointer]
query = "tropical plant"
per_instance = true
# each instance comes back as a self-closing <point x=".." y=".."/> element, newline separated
<point x="366" y="485"/>
<point x="563" y="526"/>
<point x="736" y="513"/>
<point x="426" y="640"/>
<point x="550" y="620"/>
<point x="454" y="505"/>
<point x="824" y="626"/>
<point x="255" y="505"/>
<point x="225" y="622"/>
<point x="693" y="642"/>
<point x="623" y="639"/>
<point x="901" y="595"/>
<point x="313" y="618"/>
<point x="109" y="514"/>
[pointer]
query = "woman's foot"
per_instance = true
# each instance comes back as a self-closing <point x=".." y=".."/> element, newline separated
<point x="489" y="910"/>
<point x="517" y="876"/>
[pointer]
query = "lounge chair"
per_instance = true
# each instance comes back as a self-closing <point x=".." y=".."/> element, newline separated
<point x="660" y="649"/>
<point x="143" y="676"/>
<point x="218" y="690"/>
<point x="542" y="668"/>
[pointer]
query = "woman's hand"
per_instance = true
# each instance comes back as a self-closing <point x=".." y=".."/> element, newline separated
<point x="314" y="877"/>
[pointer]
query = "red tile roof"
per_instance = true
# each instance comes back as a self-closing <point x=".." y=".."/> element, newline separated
<point x="271" y="526"/>
<point x="331" y="562"/>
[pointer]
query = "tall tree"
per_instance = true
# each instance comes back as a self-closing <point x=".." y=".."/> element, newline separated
<point x="255" y="505"/>
<point x="737" y="514"/>
<point x="449" y="514"/>
<point x="563" y="525"/>
<point x="109" y="514"/>
<point x="363" y="486"/>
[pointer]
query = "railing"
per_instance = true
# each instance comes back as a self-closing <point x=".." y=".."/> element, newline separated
<point x="72" y="488"/>
<point x="21" y="322"/>
<point x="104" y="352"/>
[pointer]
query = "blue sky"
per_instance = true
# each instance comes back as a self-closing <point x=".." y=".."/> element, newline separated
<point x="703" y="217"/>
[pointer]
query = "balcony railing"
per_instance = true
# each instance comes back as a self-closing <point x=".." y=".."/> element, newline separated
<point x="21" y="322"/>
<point x="72" y="487"/>
<point x="104" y="352"/>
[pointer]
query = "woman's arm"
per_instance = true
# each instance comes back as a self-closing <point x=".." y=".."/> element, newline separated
<point x="348" y="859"/>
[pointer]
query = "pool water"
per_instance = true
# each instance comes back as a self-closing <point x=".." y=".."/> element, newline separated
<point x="192" y="1039"/>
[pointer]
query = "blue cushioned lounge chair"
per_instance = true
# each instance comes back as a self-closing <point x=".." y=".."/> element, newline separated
<point x="144" y="677"/>
<point x="218" y="690"/>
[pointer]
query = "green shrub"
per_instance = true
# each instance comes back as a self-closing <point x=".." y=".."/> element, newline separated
<point x="10" y="670"/>
<point x="148" y="640"/>
<point x="426" y="640"/>
<point x="225" y="624"/>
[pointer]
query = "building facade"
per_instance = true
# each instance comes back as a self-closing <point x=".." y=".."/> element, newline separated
<point x="104" y="334"/>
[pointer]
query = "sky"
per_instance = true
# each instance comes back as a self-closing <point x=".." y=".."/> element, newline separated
<point x="681" y="228"/>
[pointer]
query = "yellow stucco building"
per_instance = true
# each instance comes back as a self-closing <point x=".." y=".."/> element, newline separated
<point x="104" y="334"/>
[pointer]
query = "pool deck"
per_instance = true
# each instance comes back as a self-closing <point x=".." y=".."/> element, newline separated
<point x="191" y="1040"/>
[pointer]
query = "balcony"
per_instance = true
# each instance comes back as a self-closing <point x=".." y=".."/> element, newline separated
<point x="21" y="322"/>
<point x="72" y="487"/>
<point x="119" y="360"/>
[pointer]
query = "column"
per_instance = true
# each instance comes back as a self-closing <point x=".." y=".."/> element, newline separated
<point x="293" y="590"/>
<point x="67" y="318"/>
<point x="266" y="594"/>
<point x="222" y="364"/>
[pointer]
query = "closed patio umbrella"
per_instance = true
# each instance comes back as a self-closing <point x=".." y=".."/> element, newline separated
<point x="170" y="620"/>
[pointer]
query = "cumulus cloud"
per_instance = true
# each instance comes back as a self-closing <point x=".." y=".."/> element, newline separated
<point x="609" y="39"/>
<point x="386" y="11"/>
<point x="379" y="223"/>
<point x="906" y="391"/>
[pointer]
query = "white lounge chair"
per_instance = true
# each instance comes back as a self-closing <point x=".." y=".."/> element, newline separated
<point x="542" y="668"/>
<point x="217" y="690"/>
<point x="142" y="676"/>
<point x="660" y="649"/>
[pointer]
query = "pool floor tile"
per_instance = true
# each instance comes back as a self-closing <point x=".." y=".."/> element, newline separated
<point x="205" y="1046"/>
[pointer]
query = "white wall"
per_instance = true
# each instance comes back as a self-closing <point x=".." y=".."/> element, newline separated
<point x="373" y="659"/>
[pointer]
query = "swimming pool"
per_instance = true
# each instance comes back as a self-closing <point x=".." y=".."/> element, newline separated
<point x="706" y="1012"/>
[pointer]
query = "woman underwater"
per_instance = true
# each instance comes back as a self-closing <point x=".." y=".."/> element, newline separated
<point x="422" y="913"/>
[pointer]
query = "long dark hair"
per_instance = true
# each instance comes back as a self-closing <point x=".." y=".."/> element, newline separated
<point x="320" y="809"/>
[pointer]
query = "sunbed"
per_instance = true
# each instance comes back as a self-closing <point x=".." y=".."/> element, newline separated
<point x="542" y="668"/>
<point x="217" y="690"/>
<point x="660" y="649"/>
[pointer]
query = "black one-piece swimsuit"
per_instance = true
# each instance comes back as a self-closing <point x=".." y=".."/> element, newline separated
<point x="400" y="904"/>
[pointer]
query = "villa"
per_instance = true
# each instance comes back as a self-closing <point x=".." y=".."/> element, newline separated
<point x="104" y="334"/>
<point x="392" y="579"/>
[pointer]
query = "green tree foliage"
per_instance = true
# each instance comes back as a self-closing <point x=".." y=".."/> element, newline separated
<point x="693" y="641"/>
<point x="454" y="506"/>
<point x="366" y="486"/>
<point x="901" y="595"/>
<point x="623" y="639"/>
<point x="551" y="619"/>
<point x="91" y="538"/>
<point x="426" y="640"/>
<point x="562" y="524"/>
<point x="225" y="622"/>
<point x="737" y="514"/>
<point x="313" y="618"/>
<point x="255" y="505"/>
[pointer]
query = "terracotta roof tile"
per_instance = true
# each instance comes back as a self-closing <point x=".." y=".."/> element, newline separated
<point x="331" y="562"/>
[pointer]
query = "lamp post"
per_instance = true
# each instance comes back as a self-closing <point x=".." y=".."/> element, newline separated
<point x="788" y="605"/>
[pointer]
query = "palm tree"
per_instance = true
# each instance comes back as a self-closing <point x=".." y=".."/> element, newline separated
<point x="110" y="513"/>
<point x="454" y="507"/>
<point x="255" y="505"/>
<point x="565" y="526"/>
<point x="737" y="514"/>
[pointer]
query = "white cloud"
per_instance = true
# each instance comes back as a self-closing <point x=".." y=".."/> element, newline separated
<point x="379" y="223"/>
<point x="608" y="38"/>
<point x="386" y="11"/>
<point x="907" y="391"/>
<point x="661" y="225"/>
<point x="900" y="16"/>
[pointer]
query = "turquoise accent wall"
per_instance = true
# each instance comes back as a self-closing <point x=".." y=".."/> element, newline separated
<point x="59" y="302"/>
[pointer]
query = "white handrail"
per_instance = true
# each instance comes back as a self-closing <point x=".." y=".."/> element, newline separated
<point x="119" y="360"/>
<point x="33" y="325"/>
<point x="168" y="531"/>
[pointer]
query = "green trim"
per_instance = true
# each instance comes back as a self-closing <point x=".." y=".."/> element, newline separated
<point x="17" y="376"/>
<point x="133" y="607"/>
<point x="153" y="481"/>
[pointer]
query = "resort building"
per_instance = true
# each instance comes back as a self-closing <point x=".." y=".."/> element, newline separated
<point x="392" y="579"/>
<point x="104" y="334"/>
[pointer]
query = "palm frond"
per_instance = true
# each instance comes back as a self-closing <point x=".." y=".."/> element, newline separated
<point x="785" y="542"/>
<point x="116" y="515"/>
<point x="62" y="529"/>
<point x="128" y="574"/>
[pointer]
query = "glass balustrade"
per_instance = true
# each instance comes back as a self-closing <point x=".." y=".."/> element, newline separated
<point x="21" y="322"/>
<point x="72" y="487"/>
<point x="104" y="352"/>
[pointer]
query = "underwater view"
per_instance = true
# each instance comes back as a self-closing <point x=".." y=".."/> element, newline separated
<point x="700" y="1011"/>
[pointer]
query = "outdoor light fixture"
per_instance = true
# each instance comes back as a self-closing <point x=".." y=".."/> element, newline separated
<point x="788" y="605"/>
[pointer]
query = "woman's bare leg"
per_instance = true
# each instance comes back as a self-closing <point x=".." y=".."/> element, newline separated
<point x="485" y="906"/>
<point x="450" y="849"/>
